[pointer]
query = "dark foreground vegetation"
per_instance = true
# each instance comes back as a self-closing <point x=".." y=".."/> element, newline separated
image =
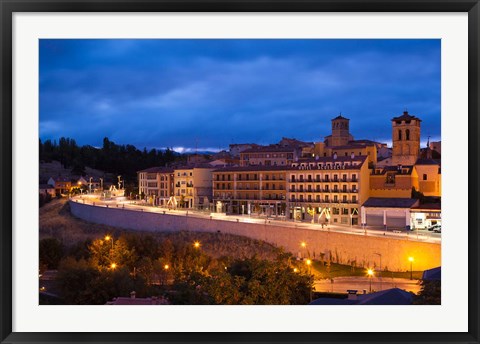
<point x="96" y="264"/>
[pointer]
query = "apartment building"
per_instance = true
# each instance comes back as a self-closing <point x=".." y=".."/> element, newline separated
<point x="193" y="186"/>
<point x="273" y="155"/>
<point x="157" y="184"/>
<point x="250" y="190"/>
<point x="328" y="189"/>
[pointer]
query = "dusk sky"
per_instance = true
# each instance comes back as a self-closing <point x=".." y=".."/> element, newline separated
<point x="211" y="93"/>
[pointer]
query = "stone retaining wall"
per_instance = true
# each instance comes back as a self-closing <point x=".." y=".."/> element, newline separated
<point x="342" y="248"/>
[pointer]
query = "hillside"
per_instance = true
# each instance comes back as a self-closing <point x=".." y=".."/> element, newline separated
<point x="56" y="221"/>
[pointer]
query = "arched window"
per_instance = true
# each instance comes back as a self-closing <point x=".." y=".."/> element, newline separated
<point x="400" y="134"/>
<point x="407" y="134"/>
<point x="424" y="176"/>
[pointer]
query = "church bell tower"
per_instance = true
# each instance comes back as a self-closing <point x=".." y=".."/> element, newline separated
<point x="405" y="139"/>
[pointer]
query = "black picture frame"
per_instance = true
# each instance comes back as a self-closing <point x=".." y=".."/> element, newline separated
<point x="9" y="7"/>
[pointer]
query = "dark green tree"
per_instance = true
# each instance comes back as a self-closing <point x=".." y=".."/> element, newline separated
<point x="51" y="252"/>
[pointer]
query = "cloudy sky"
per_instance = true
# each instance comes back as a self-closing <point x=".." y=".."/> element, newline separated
<point x="210" y="93"/>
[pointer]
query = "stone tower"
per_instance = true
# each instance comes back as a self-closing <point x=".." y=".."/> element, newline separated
<point x="340" y="131"/>
<point x="406" y="139"/>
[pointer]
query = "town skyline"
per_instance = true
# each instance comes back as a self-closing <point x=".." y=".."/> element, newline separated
<point x="206" y="94"/>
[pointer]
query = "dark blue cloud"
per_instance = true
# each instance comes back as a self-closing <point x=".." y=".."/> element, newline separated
<point x="210" y="93"/>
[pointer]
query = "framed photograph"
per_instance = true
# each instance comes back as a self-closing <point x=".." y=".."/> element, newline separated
<point x="239" y="171"/>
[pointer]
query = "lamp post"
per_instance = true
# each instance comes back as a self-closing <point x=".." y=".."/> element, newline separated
<point x="108" y="238"/>
<point x="303" y="244"/>
<point x="165" y="268"/>
<point x="370" y="275"/>
<point x="411" y="267"/>
<point x="196" y="244"/>
<point x="380" y="268"/>
<point x="309" y="264"/>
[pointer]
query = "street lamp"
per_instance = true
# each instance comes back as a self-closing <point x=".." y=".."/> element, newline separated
<point x="309" y="263"/>
<point x="196" y="244"/>
<point x="380" y="268"/>
<point x="370" y="275"/>
<point x="303" y="244"/>
<point x="113" y="266"/>
<point x="411" y="267"/>
<point x="108" y="238"/>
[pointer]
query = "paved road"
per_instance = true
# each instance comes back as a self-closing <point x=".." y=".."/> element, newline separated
<point x="123" y="203"/>
<point x="342" y="284"/>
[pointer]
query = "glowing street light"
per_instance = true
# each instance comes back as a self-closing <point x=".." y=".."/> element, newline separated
<point x="303" y="244"/>
<point x="113" y="266"/>
<point x="196" y="244"/>
<point x="309" y="264"/>
<point x="410" y="259"/>
<point x="108" y="238"/>
<point x="370" y="275"/>
<point x="295" y="270"/>
<point x="166" y="267"/>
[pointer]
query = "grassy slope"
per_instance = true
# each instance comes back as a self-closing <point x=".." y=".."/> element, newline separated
<point x="56" y="221"/>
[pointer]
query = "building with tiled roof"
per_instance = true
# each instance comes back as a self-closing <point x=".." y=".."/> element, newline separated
<point x="62" y="185"/>
<point x="193" y="185"/>
<point x="138" y="301"/>
<point x="156" y="184"/>
<point x="257" y="189"/>
<point x="394" y="296"/>
<point x="273" y="155"/>
<point x="328" y="189"/>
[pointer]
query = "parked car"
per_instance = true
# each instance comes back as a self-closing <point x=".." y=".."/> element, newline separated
<point x="437" y="229"/>
<point x="432" y="228"/>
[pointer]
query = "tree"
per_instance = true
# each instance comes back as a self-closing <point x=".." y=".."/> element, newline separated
<point x="51" y="252"/>
<point x="82" y="283"/>
<point x="430" y="293"/>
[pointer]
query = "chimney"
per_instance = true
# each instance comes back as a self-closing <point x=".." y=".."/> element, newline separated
<point x="132" y="294"/>
<point x="352" y="294"/>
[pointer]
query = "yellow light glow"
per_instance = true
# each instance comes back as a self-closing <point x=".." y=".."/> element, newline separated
<point x="370" y="272"/>
<point x="309" y="262"/>
<point x="295" y="270"/>
<point x="166" y="267"/>
<point x="107" y="237"/>
<point x="410" y="259"/>
<point x="196" y="244"/>
<point x="113" y="265"/>
<point x="303" y="244"/>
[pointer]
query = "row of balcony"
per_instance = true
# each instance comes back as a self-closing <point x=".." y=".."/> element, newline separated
<point x="325" y="190"/>
<point x="294" y="201"/>
<point x="324" y="180"/>
<point x="330" y="201"/>
<point x="255" y="198"/>
<point x="273" y="179"/>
